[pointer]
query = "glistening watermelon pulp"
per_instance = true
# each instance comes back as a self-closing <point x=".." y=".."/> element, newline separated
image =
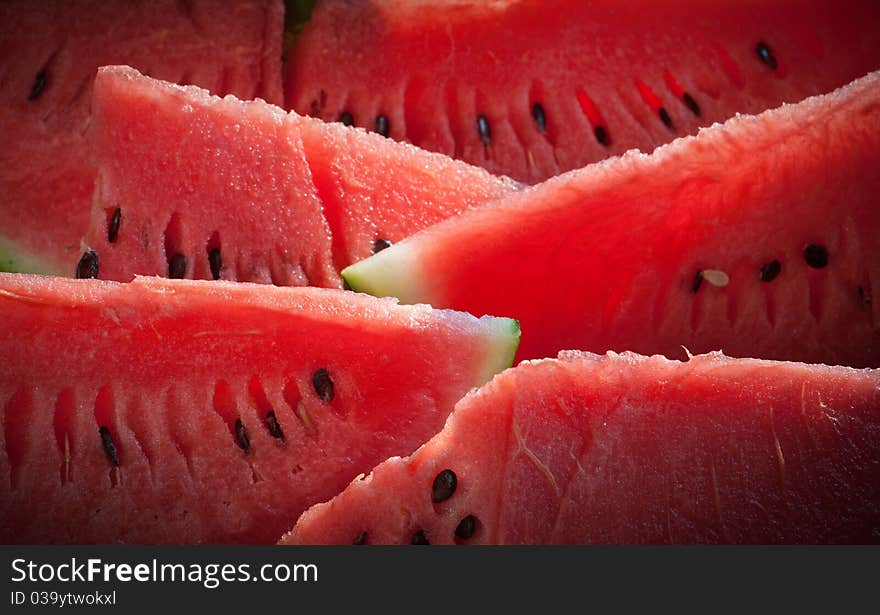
<point x="759" y="237"/>
<point x="630" y="449"/>
<point x="49" y="52"/>
<point x="171" y="411"/>
<point x="195" y="186"/>
<point x="532" y="88"/>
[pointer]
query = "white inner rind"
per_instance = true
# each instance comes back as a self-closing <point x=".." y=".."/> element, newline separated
<point x="393" y="272"/>
<point x="505" y="334"/>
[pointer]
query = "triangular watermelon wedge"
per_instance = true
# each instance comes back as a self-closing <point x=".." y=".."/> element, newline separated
<point x="759" y="237"/>
<point x="195" y="186"/>
<point x="172" y="411"/>
<point x="631" y="449"/>
<point x="532" y="88"/>
<point x="49" y="52"/>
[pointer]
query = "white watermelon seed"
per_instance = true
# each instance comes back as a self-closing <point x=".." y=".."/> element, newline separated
<point x="716" y="277"/>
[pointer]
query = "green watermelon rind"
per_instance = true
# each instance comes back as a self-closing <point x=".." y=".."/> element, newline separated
<point x="14" y="259"/>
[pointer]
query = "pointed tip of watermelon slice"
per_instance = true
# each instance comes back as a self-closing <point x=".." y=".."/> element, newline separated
<point x="393" y="272"/>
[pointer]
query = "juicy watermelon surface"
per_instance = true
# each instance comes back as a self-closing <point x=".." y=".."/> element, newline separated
<point x="49" y="52"/>
<point x="630" y="449"/>
<point x="188" y="412"/>
<point x="278" y="198"/>
<point x="211" y="411"/>
<point x="758" y="237"/>
<point x="533" y="88"/>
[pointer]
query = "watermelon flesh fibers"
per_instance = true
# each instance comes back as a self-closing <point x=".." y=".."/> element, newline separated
<point x="759" y="237"/>
<point x="49" y="52"/>
<point x="278" y="198"/>
<point x="631" y="449"/>
<point x="533" y="88"/>
<point x="171" y="411"/>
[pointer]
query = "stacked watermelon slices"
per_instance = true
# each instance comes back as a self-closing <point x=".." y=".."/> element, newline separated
<point x="194" y="386"/>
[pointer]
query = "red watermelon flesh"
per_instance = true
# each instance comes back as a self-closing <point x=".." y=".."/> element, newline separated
<point x="49" y="52"/>
<point x="631" y="449"/>
<point x="277" y="198"/>
<point x="564" y="83"/>
<point x="171" y="411"/>
<point x="759" y="237"/>
<point x="376" y="192"/>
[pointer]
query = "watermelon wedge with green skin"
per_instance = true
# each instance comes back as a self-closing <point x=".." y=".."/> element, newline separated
<point x="174" y="411"/>
<point x="191" y="185"/>
<point x="632" y="449"/>
<point x="532" y="88"/>
<point x="49" y="52"/>
<point x="759" y="237"/>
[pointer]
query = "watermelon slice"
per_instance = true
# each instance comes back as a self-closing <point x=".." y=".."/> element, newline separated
<point x="195" y="186"/>
<point x="630" y="449"/>
<point x="759" y="237"/>
<point x="531" y="88"/>
<point x="49" y="52"/>
<point x="179" y="411"/>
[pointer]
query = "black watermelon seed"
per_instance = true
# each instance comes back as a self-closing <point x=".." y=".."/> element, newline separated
<point x="766" y="56"/>
<point x="361" y="539"/>
<point x="770" y="270"/>
<point x="323" y="384"/>
<point x="540" y="117"/>
<point x="419" y="538"/>
<point x="382" y="125"/>
<point x="113" y="227"/>
<point x="698" y="281"/>
<point x="241" y="436"/>
<point x="177" y="266"/>
<point x="484" y="131"/>
<point x="274" y="427"/>
<point x="39" y="85"/>
<point x="664" y="117"/>
<point x="215" y="261"/>
<point x="444" y="486"/>
<point x="346" y="118"/>
<point x="864" y="296"/>
<point x="381" y="244"/>
<point x="601" y="134"/>
<point x="691" y="103"/>
<point x="109" y="446"/>
<point x="87" y="267"/>
<point x="466" y="527"/>
<point x="816" y="256"/>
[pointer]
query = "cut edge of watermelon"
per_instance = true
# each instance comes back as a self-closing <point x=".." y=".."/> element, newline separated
<point x="15" y="259"/>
